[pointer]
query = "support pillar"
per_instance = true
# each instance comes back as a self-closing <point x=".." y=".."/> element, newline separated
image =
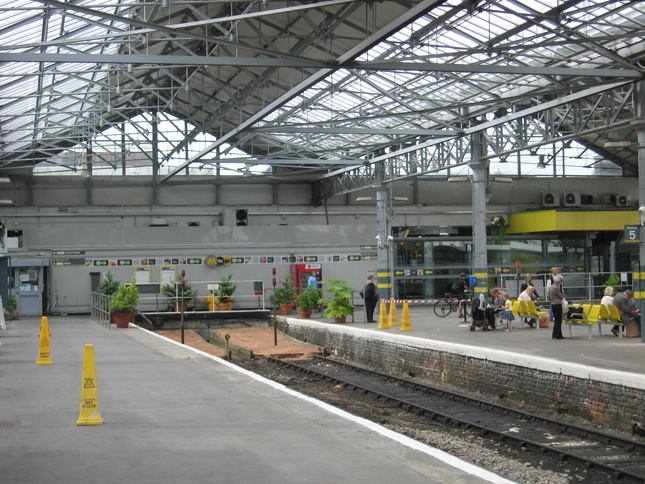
<point x="639" y="125"/>
<point x="384" y="273"/>
<point x="479" y="168"/>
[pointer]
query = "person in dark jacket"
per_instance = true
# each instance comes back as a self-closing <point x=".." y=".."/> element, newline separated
<point x="556" y="296"/>
<point x="370" y="293"/>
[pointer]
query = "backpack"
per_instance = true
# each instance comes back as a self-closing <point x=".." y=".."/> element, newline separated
<point x="456" y="286"/>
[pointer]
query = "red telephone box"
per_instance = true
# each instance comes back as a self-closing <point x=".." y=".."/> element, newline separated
<point x="301" y="272"/>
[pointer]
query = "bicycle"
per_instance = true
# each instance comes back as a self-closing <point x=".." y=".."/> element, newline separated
<point x="449" y="305"/>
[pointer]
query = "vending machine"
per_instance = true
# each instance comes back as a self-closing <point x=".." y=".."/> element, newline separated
<point x="301" y="272"/>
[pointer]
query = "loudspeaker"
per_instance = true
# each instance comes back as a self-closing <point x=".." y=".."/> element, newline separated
<point x="623" y="200"/>
<point x="241" y="217"/>
<point x="550" y="200"/>
<point x="571" y="199"/>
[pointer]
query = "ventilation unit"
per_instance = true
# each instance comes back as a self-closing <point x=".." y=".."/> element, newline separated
<point x="550" y="200"/>
<point x="609" y="199"/>
<point x="571" y="199"/>
<point x="623" y="200"/>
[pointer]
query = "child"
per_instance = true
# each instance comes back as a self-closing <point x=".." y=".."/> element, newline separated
<point x="507" y="312"/>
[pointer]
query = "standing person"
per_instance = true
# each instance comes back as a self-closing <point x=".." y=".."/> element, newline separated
<point x="312" y="281"/>
<point x="370" y="292"/>
<point x="494" y="307"/>
<point x="624" y="301"/>
<point x="555" y="271"/>
<point x="555" y="296"/>
<point x="459" y="287"/>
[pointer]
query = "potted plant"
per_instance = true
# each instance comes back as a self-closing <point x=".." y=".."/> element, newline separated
<point x="339" y="305"/>
<point x="123" y="303"/>
<point x="308" y="300"/>
<point x="179" y="293"/>
<point x="224" y="293"/>
<point x="11" y="309"/>
<point x="284" y="296"/>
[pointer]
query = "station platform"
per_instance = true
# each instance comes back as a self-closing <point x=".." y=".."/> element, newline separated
<point x="603" y="352"/>
<point x="172" y="414"/>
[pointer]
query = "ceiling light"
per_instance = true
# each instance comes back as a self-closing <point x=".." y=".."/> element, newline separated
<point x="4" y="179"/>
<point x="364" y="199"/>
<point x="541" y="164"/>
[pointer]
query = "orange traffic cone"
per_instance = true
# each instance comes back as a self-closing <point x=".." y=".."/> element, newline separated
<point x="382" y="316"/>
<point x="44" y="352"/>
<point x="405" y="318"/>
<point x="393" y="319"/>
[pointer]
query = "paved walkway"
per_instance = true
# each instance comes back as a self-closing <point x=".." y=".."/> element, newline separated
<point x="174" y="415"/>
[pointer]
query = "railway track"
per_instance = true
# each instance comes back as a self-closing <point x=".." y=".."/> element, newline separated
<point x="618" y="458"/>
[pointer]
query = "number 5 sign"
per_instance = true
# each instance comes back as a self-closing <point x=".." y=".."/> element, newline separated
<point x="632" y="233"/>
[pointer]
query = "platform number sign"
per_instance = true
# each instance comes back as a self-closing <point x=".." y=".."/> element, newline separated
<point x="632" y="233"/>
<point x="469" y="247"/>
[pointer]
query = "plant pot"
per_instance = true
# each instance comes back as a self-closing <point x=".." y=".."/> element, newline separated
<point x="286" y="308"/>
<point x="225" y="306"/>
<point x="178" y="307"/>
<point x="305" y="313"/>
<point x="341" y="319"/>
<point x="122" y="320"/>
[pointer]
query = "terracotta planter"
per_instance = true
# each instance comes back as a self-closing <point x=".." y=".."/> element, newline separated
<point x="286" y="308"/>
<point x="305" y="313"/>
<point x="340" y="320"/>
<point x="122" y="320"/>
<point x="225" y="306"/>
<point x="177" y="307"/>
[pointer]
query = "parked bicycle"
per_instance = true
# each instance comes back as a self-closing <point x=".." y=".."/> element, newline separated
<point x="449" y="305"/>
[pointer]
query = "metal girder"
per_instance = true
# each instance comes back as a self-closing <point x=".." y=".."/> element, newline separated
<point x="589" y="113"/>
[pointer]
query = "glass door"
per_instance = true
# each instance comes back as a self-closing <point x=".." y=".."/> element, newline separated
<point x="29" y="290"/>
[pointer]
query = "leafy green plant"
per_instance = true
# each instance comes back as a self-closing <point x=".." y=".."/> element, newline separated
<point x="12" y="304"/>
<point x="173" y="291"/>
<point x="125" y="300"/>
<point x="339" y="304"/>
<point x="310" y="298"/>
<point x="108" y="285"/>
<point x="615" y="282"/>
<point x="284" y="294"/>
<point x="226" y="290"/>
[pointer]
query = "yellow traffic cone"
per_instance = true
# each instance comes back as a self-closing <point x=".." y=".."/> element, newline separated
<point x="405" y="318"/>
<point x="393" y="320"/>
<point x="90" y="414"/>
<point x="44" y="352"/>
<point x="382" y="316"/>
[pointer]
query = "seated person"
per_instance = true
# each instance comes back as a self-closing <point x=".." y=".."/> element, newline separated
<point x="624" y="301"/>
<point x="494" y="307"/>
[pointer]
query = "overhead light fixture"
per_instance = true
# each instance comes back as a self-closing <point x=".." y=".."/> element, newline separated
<point x="541" y="164"/>
<point x="400" y="199"/>
<point x="364" y="199"/>
<point x="4" y="179"/>
<point x="6" y="203"/>
<point x="617" y="144"/>
<point x="503" y="179"/>
<point x="457" y="179"/>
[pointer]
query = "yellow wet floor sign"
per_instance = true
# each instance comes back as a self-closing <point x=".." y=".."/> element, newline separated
<point x="90" y="413"/>
<point x="44" y="352"/>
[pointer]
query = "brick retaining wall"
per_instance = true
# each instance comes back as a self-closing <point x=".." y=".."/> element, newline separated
<point x="539" y="385"/>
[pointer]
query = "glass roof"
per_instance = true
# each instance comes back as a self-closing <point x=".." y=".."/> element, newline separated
<point x="317" y="88"/>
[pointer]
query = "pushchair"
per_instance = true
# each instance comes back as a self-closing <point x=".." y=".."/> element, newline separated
<point x="478" y="314"/>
